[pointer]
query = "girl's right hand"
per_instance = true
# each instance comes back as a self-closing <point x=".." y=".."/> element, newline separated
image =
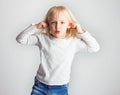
<point x="41" y="25"/>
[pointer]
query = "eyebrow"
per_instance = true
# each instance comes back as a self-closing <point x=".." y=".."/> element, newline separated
<point x="55" y="20"/>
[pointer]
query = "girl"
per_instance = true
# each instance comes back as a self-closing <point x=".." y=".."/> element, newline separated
<point x="58" y="37"/>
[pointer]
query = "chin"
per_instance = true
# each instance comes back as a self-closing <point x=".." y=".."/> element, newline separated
<point x="60" y="37"/>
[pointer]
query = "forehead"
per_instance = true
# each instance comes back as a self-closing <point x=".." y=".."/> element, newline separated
<point x="60" y="16"/>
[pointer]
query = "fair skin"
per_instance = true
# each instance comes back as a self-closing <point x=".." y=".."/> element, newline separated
<point x="58" y="26"/>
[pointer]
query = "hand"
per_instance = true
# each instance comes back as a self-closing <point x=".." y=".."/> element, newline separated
<point x="77" y="27"/>
<point x="41" y="25"/>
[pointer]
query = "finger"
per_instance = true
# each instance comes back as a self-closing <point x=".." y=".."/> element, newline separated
<point x="71" y="25"/>
<point x="42" y="25"/>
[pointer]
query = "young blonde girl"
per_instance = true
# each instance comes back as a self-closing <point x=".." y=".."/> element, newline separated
<point x="58" y="37"/>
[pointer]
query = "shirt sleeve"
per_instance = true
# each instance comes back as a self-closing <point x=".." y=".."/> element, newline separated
<point x="28" y="36"/>
<point x="87" y="43"/>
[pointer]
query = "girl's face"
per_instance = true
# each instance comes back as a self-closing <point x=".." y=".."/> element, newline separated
<point x="58" y="25"/>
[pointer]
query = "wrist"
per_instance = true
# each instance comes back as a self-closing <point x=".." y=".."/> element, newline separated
<point x="82" y="31"/>
<point x="36" y="26"/>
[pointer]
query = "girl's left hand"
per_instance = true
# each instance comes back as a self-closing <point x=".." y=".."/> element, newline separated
<point x="78" y="28"/>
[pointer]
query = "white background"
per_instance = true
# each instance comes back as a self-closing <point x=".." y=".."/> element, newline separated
<point x="92" y="73"/>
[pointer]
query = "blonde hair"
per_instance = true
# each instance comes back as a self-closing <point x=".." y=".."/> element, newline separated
<point x="56" y="10"/>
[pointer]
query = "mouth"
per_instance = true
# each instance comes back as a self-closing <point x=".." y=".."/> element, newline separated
<point x="57" y="31"/>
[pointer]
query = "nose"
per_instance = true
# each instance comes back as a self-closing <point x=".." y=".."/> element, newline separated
<point x="57" y="25"/>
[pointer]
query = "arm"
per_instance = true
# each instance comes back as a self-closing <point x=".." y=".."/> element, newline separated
<point x="27" y="36"/>
<point x="86" y="42"/>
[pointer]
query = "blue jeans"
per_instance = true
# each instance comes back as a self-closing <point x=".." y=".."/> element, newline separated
<point x="43" y="89"/>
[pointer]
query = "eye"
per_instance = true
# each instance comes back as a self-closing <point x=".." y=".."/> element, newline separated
<point x="62" y="22"/>
<point x="53" y="22"/>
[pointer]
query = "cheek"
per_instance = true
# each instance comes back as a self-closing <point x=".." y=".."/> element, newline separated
<point x="65" y="27"/>
<point x="51" y="27"/>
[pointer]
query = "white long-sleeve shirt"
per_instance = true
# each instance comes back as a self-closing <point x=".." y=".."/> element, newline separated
<point x="56" y="55"/>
